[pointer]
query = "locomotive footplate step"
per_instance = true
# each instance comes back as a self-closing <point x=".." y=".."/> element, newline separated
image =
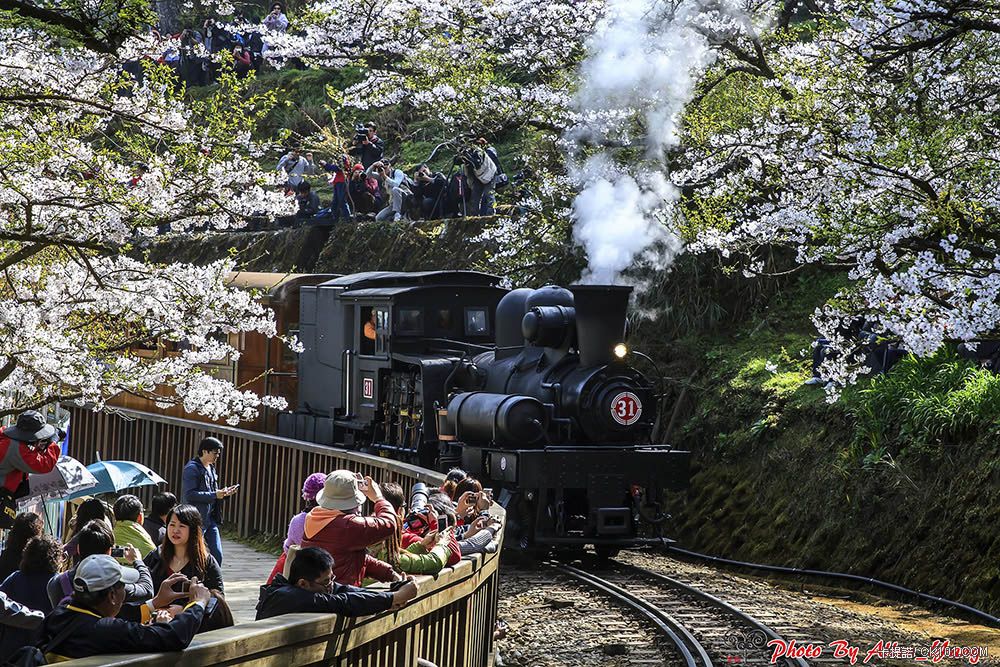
<point x="580" y="466"/>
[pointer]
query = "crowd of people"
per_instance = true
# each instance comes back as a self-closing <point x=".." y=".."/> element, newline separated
<point x="193" y="53"/>
<point x="126" y="578"/>
<point x="367" y="185"/>
<point x="364" y="183"/>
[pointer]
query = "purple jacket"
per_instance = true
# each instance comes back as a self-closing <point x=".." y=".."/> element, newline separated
<point x="296" y="530"/>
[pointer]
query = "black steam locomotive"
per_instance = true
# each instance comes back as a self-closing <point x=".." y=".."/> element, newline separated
<point x="529" y="390"/>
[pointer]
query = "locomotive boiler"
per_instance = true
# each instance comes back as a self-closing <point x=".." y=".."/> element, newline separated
<point x="556" y="417"/>
<point x="555" y="377"/>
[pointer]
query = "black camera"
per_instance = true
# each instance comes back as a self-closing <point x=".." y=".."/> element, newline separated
<point x="360" y="133"/>
<point x="118" y="552"/>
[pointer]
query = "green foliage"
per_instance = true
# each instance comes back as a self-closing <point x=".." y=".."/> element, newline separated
<point x="101" y="25"/>
<point x="926" y="405"/>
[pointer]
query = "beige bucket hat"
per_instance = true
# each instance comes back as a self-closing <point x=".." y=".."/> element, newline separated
<point x="340" y="491"/>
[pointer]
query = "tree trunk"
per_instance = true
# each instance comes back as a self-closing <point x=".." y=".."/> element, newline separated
<point x="169" y="12"/>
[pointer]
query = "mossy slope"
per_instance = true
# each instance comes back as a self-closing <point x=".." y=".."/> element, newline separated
<point x="899" y="479"/>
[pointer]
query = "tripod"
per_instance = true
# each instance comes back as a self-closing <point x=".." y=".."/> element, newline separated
<point x="447" y="183"/>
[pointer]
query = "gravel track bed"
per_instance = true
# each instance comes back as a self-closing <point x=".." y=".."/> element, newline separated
<point x="554" y="620"/>
<point x="807" y="617"/>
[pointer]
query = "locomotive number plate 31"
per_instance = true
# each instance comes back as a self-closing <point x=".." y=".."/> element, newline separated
<point x="626" y="408"/>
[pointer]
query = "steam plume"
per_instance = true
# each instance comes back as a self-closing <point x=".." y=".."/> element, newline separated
<point x="641" y="69"/>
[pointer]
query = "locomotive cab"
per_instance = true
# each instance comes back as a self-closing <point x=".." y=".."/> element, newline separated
<point x="378" y="349"/>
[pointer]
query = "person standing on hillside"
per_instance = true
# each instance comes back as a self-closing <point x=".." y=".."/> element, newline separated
<point x="295" y="166"/>
<point x="368" y="146"/>
<point x="200" y="487"/>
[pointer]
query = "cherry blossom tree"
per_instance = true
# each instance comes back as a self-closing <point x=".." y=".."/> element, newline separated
<point x="93" y="163"/>
<point x="863" y="139"/>
<point x="486" y="66"/>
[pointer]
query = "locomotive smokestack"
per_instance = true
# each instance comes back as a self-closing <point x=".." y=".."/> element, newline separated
<point x="600" y="321"/>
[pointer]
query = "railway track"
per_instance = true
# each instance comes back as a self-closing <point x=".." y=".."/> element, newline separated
<point x="702" y="629"/>
<point x="806" y="619"/>
<point x="559" y="619"/>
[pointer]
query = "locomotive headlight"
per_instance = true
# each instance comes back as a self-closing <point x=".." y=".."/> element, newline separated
<point x="620" y="350"/>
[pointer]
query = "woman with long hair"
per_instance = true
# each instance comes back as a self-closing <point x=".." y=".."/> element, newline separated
<point x="455" y="475"/>
<point x="41" y="560"/>
<point x="420" y="556"/>
<point x="467" y="496"/>
<point x="183" y="550"/>
<point x="27" y="525"/>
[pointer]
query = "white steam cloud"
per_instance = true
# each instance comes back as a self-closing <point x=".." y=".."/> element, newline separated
<point x="643" y="64"/>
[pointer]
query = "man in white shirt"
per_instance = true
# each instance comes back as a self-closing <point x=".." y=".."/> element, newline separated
<point x="296" y="166"/>
<point x="396" y="184"/>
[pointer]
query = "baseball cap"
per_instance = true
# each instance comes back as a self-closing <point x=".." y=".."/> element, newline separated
<point x="101" y="572"/>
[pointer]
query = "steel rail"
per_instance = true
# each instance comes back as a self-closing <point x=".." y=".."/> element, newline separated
<point x="714" y="601"/>
<point x="822" y="574"/>
<point x="691" y="650"/>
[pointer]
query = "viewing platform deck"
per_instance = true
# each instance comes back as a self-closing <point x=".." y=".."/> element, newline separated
<point x="450" y="623"/>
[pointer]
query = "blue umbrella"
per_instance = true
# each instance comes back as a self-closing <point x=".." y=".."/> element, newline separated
<point x="113" y="476"/>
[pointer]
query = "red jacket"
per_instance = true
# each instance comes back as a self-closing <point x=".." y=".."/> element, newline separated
<point x="17" y="462"/>
<point x="347" y="536"/>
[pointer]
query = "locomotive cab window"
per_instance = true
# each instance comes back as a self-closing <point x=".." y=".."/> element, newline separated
<point x="411" y="321"/>
<point x="444" y="319"/>
<point x="375" y="331"/>
<point x="476" y="322"/>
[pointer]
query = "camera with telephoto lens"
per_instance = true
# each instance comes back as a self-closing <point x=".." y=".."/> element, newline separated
<point x="418" y="498"/>
<point x="416" y="519"/>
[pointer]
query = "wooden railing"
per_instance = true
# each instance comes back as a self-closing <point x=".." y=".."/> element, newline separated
<point x="269" y="469"/>
<point x="450" y="623"/>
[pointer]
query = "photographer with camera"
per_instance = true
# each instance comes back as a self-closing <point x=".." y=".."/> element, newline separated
<point x="364" y="192"/>
<point x="27" y="447"/>
<point x="296" y="166"/>
<point x="427" y="189"/>
<point x="96" y="538"/>
<point x="368" y="147"/>
<point x="89" y="624"/>
<point x="482" y="172"/>
<point x="476" y="528"/>
<point x="338" y="526"/>
<point x="426" y="556"/>
<point x="395" y="186"/>
<point x="276" y="21"/>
